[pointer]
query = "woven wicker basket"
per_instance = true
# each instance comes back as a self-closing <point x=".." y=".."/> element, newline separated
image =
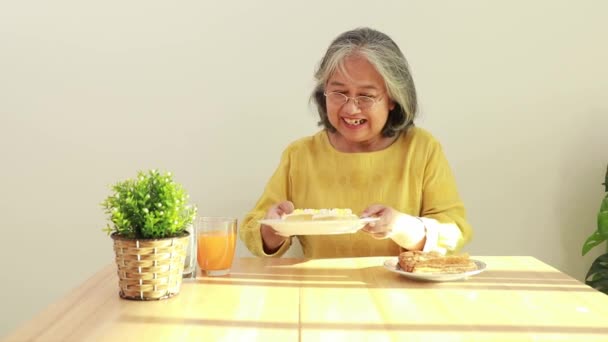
<point x="150" y="269"/>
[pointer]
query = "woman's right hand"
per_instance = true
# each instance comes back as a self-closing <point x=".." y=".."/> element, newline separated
<point x="271" y="240"/>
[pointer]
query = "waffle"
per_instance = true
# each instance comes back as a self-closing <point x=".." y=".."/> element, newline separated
<point x="434" y="262"/>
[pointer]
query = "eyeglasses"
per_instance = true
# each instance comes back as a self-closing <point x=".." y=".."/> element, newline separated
<point x="362" y="102"/>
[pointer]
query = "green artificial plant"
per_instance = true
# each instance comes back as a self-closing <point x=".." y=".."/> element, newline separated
<point x="152" y="206"/>
<point x="597" y="277"/>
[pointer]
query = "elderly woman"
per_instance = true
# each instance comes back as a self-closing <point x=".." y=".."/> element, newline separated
<point x="369" y="157"/>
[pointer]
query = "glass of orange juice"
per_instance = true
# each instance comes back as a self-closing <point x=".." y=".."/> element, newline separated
<point x="216" y="242"/>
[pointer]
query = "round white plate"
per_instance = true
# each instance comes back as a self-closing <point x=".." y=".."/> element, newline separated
<point x="317" y="227"/>
<point x="393" y="266"/>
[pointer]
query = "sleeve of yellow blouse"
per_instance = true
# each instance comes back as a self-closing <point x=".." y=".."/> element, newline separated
<point x="443" y="213"/>
<point x="277" y="190"/>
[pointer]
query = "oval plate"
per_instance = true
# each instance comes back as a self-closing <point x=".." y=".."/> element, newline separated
<point x="393" y="266"/>
<point x="317" y="227"/>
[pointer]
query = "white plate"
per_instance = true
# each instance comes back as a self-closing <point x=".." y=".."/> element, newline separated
<point x="393" y="266"/>
<point x="317" y="227"/>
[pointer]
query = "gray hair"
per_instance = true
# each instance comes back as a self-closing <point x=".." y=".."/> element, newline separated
<point x="382" y="52"/>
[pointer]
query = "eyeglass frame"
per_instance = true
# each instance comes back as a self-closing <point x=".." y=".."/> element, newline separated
<point x="355" y="98"/>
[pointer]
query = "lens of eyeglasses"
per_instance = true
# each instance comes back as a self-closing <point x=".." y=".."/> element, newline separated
<point x="337" y="98"/>
<point x="365" y="102"/>
<point x="362" y="102"/>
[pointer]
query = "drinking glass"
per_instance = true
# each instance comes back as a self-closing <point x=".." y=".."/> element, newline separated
<point x="216" y="242"/>
<point x="190" y="261"/>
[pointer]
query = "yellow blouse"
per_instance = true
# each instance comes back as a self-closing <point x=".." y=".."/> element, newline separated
<point x="412" y="176"/>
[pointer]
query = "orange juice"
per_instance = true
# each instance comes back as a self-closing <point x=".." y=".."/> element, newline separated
<point x="215" y="250"/>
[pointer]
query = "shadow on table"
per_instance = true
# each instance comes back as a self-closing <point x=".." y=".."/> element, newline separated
<point x="379" y="277"/>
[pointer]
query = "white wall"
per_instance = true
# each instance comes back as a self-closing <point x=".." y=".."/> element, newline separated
<point x="213" y="91"/>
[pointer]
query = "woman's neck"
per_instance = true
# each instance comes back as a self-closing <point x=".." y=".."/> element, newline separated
<point x="377" y="144"/>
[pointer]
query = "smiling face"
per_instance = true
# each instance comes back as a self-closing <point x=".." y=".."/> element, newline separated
<point x="357" y="129"/>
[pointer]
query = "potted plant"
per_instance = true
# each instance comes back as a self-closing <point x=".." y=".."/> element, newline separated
<point x="149" y="216"/>
<point x="597" y="277"/>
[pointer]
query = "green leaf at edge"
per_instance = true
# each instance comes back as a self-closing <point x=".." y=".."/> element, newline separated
<point x="602" y="224"/>
<point x="597" y="277"/>
<point x="593" y="240"/>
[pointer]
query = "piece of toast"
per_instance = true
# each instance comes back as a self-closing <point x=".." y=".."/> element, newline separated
<point x="435" y="262"/>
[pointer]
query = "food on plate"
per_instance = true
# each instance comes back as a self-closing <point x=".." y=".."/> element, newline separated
<point x="320" y="215"/>
<point x="435" y="262"/>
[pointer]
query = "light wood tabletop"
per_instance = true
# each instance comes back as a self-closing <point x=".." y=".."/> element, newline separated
<point x="516" y="298"/>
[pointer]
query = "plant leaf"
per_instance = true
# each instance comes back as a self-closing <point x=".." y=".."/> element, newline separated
<point x="602" y="224"/>
<point x="600" y="284"/>
<point x="593" y="240"/>
<point x="604" y="206"/>
<point x="597" y="277"/>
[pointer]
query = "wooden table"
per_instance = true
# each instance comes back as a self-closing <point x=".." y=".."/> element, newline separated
<point x="516" y="298"/>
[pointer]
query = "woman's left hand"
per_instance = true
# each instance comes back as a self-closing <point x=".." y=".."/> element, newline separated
<point x="382" y="228"/>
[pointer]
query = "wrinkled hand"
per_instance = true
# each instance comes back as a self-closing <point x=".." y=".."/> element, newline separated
<point x="280" y="209"/>
<point x="272" y="241"/>
<point x="382" y="228"/>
